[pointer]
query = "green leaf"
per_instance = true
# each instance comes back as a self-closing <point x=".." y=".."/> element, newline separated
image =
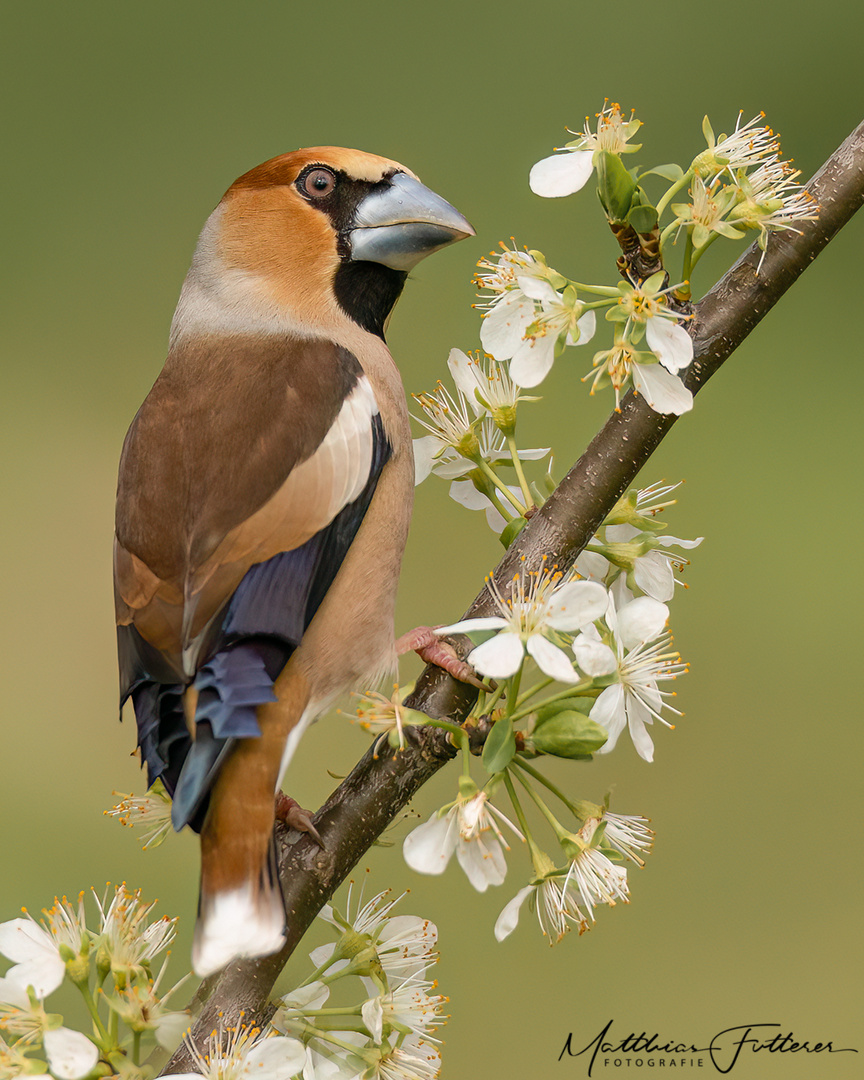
<point x="615" y="185"/>
<point x="512" y="530"/>
<point x="643" y="218"/>
<point x="500" y="746"/>
<point x="671" y="172"/>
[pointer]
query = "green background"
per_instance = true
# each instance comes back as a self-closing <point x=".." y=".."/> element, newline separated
<point x="125" y="124"/>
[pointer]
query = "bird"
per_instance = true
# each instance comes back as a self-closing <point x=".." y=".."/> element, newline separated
<point x="264" y="494"/>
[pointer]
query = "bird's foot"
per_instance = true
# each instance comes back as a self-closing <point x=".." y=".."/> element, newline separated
<point x="432" y="650"/>
<point x="293" y="814"/>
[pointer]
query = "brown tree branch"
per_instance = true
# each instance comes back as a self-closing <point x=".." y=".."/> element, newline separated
<point x="380" y="786"/>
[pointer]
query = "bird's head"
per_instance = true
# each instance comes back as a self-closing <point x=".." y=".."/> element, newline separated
<point x="325" y="231"/>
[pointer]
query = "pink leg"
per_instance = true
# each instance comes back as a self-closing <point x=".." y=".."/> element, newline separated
<point x="293" y="814"/>
<point x="432" y="650"/>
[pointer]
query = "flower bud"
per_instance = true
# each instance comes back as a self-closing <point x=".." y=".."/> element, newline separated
<point x="567" y="734"/>
<point x="616" y="186"/>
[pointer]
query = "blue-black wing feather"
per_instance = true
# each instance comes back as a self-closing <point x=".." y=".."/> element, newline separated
<point x="250" y="643"/>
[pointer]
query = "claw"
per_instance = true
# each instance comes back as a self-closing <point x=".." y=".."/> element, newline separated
<point x="293" y="814"/>
<point x="432" y="650"/>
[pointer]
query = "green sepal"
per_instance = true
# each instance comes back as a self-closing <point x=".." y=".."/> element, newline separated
<point x="654" y="283"/>
<point x="512" y="530"/>
<point x="643" y="218"/>
<point x="467" y="788"/>
<point x="615" y="186"/>
<point x="708" y="132"/>
<point x="568" y="734"/>
<point x="500" y="746"/>
<point x="616" y="314"/>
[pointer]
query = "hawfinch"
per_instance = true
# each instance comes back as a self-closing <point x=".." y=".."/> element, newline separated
<point x="263" y="502"/>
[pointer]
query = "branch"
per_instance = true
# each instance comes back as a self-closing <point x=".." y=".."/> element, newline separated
<point x="366" y="802"/>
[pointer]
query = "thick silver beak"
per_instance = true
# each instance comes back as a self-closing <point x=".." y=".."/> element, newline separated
<point x="402" y="224"/>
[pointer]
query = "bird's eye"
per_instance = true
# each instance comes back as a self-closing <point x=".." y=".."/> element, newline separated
<point x="317" y="183"/>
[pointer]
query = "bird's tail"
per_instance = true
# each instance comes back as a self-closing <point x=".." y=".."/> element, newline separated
<point x="241" y="911"/>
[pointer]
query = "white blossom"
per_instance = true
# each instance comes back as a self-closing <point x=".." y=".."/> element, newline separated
<point x="538" y="604"/>
<point x="556" y="900"/>
<point x="405" y="944"/>
<point x="125" y="934"/>
<point x="567" y="172"/>
<point x="628" y="834"/>
<point x="639" y="658"/>
<point x="409" y="1007"/>
<point x="151" y="813"/>
<point x="528" y="338"/>
<point x="70" y="1054"/>
<point x="747" y="146"/>
<point x="662" y="390"/>
<point x="469" y="828"/>
<point x="38" y="961"/>
<point x="243" y="1053"/>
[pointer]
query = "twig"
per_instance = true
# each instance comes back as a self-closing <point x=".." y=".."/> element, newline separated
<point x="379" y="787"/>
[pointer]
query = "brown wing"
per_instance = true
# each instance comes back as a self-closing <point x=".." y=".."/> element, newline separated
<point x="244" y="448"/>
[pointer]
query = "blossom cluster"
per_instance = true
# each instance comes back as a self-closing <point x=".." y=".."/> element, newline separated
<point x="596" y="643"/>
<point x="532" y="313"/>
<point x="388" y="1034"/>
<point x="391" y="1033"/>
<point x="110" y="964"/>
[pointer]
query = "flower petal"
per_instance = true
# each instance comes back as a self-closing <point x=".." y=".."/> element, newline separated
<point x="538" y="289"/>
<point x="70" y="1054"/>
<point x="499" y="657"/>
<point x="451" y="468"/>
<point x="278" y="1056"/>
<point x="669" y="342"/>
<point x="509" y="917"/>
<point x="653" y="575"/>
<point x="464" y="493"/>
<point x="372" y="1012"/>
<point x="591" y="564"/>
<point x="532" y="360"/>
<point x="462" y="371"/>
<point x="620" y="534"/>
<point x="40" y="965"/>
<point x="311" y="996"/>
<point x="483" y="860"/>
<point x="674" y="541"/>
<point x="425" y="451"/>
<point x="503" y="328"/>
<point x="427" y="849"/>
<point x="587" y="327"/>
<point x="663" y="391"/>
<point x="561" y="174"/>
<point x="637" y="717"/>
<point x="593" y="656"/>
<point x="486" y="622"/>
<point x="576" y="604"/>
<point x="609" y="713"/>
<point x="551" y="660"/>
<point x="322" y="953"/>
<point x="643" y="619"/>
<point x="13" y="993"/>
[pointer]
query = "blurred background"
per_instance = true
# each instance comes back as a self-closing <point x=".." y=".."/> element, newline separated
<point x="124" y="125"/>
